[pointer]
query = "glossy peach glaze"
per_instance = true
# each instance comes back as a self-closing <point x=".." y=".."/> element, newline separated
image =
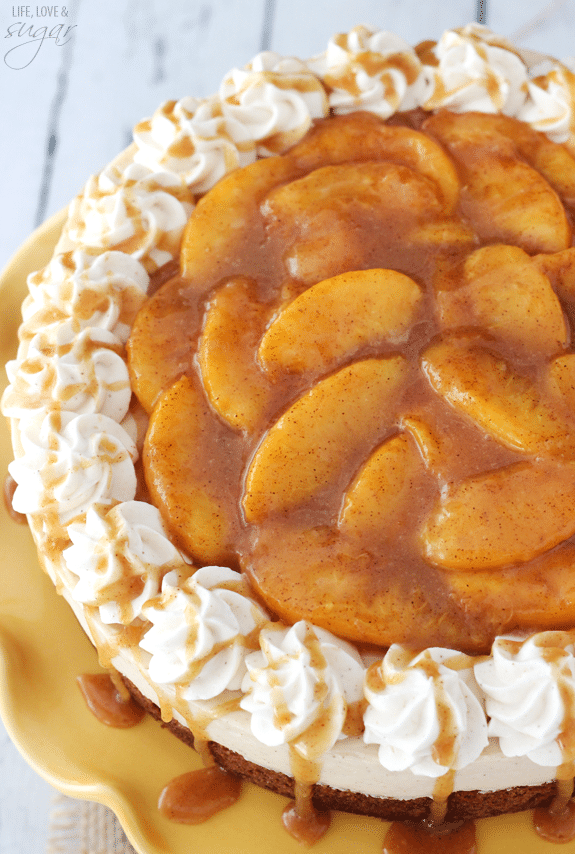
<point x="361" y="382"/>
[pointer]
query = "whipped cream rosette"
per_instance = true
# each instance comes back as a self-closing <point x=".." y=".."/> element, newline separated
<point x="529" y="685"/>
<point x="476" y="70"/>
<point x="137" y="211"/>
<point x="90" y="291"/>
<point x="120" y="556"/>
<point x="368" y="69"/>
<point x="303" y="680"/>
<point x="423" y="714"/>
<point x="82" y="373"/>
<point x="275" y="98"/>
<point x="192" y="138"/>
<point x="200" y="627"/>
<point x="71" y="462"/>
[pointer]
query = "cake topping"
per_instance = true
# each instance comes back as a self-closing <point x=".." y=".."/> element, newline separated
<point x="299" y="687"/>
<point x="369" y="69"/>
<point x="423" y="714"/>
<point x="275" y="99"/>
<point x="120" y="557"/>
<point x="475" y="70"/>
<point x="202" y="628"/>
<point x="509" y="379"/>
<point x="530" y="697"/>
<point x="81" y="373"/>
<point x="138" y="212"/>
<point x="103" y="291"/>
<point x="71" y="462"/>
<point x="549" y="107"/>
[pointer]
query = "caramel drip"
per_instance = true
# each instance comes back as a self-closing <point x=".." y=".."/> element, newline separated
<point x="417" y="839"/>
<point x="441" y="792"/>
<point x="106" y="702"/>
<point x="196" y="796"/>
<point x="9" y="490"/>
<point x="555" y="826"/>
<point x="354" y="726"/>
<point x="300" y="818"/>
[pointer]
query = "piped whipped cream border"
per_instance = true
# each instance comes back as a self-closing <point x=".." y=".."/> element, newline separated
<point x="202" y="641"/>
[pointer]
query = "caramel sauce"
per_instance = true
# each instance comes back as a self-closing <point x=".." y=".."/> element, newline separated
<point x="300" y="817"/>
<point x="555" y="825"/>
<point x="9" y="490"/>
<point x="106" y="702"/>
<point x="195" y="797"/>
<point x="417" y="839"/>
<point x="261" y="267"/>
<point x="308" y="827"/>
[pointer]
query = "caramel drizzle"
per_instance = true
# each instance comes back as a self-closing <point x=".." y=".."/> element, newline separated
<point x="444" y="750"/>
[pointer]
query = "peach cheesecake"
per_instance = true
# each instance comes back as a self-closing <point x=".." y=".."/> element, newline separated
<point x="293" y="415"/>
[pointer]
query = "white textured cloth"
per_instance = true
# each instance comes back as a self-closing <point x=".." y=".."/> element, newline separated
<point x="84" y="827"/>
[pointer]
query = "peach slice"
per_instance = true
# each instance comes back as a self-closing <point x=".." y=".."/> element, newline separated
<point x="541" y="594"/>
<point x="159" y="347"/>
<point x="335" y="208"/>
<point x="502" y="518"/>
<point x="224" y="217"/>
<point x="506" y="405"/>
<point x="363" y="136"/>
<point x="506" y="199"/>
<point x="561" y="379"/>
<point x="331" y="320"/>
<point x="383" y="491"/>
<point x="175" y="452"/>
<point x="318" y="575"/>
<point x="553" y="161"/>
<point x="234" y="382"/>
<point x="507" y="296"/>
<point x="428" y="443"/>
<point x="343" y="415"/>
<point x="560" y="268"/>
<point x="445" y="233"/>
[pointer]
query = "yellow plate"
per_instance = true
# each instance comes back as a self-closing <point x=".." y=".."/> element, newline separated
<point x="43" y="649"/>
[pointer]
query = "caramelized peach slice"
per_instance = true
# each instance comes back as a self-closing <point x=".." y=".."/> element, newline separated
<point x="448" y="233"/>
<point x="234" y="383"/>
<point x="318" y="575"/>
<point x="502" y="518"/>
<point x="428" y="442"/>
<point x="330" y="321"/>
<point x="332" y="206"/>
<point x="175" y="453"/>
<point x="541" y="594"/>
<point x="343" y="415"/>
<point x="504" y="404"/>
<point x="505" y="198"/>
<point x="363" y="136"/>
<point x="553" y="161"/>
<point x="561" y="379"/>
<point x="159" y="347"/>
<point x="382" y="493"/>
<point x="225" y="216"/>
<point x="560" y="268"/>
<point x="507" y="296"/>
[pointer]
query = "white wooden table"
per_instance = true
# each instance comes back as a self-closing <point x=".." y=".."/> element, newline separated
<point x="69" y="102"/>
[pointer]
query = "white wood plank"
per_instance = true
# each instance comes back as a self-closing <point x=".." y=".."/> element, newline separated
<point x="319" y="20"/>
<point x="26" y="97"/>
<point x="25" y="803"/>
<point x="544" y="25"/>
<point x="151" y="51"/>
